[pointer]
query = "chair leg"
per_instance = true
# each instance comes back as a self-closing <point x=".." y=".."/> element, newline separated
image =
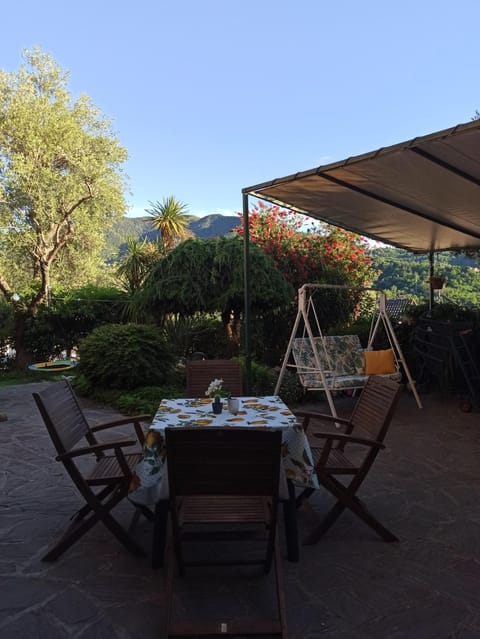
<point x="134" y="520"/>
<point x="72" y="534"/>
<point x="159" y="533"/>
<point x="305" y="494"/>
<point x="212" y="629"/>
<point x="145" y="511"/>
<point x="362" y="512"/>
<point x="280" y="591"/>
<point x="327" y="522"/>
<point x="346" y="499"/>
<point x="169" y="585"/>
<point x="80" y="525"/>
<point x="85" y="510"/>
<point x="140" y="510"/>
<point x="290" y="520"/>
<point x="122" y="535"/>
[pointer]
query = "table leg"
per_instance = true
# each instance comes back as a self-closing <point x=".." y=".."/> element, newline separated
<point x="159" y="533"/>
<point x="291" y="528"/>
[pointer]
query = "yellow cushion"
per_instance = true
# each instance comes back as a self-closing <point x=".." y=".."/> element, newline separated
<point x="379" y="362"/>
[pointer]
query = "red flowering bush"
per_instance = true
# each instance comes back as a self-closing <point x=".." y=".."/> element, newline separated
<point x="309" y="252"/>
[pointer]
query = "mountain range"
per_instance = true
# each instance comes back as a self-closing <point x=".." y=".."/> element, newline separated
<point x="214" y="225"/>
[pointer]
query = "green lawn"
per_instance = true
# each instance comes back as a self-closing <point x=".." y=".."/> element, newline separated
<point x="27" y="377"/>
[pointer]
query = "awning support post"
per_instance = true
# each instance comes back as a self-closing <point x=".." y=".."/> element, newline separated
<point x="431" y="258"/>
<point x="247" y="304"/>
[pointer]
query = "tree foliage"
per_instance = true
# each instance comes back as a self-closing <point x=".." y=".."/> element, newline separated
<point x="308" y="252"/>
<point x="70" y="316"/>
<point x="60" y="181"/>
<point x="207" y="276"/>
<point x="319" y="253"/>
<point x="402" y="273"/>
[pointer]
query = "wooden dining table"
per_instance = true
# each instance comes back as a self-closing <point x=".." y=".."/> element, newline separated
<point x="150" y="480"/>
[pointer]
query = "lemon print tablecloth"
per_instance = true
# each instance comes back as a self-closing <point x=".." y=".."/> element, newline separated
<point x="149" y="484"/>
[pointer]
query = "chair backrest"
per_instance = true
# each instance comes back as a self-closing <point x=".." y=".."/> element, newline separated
<point x="226" y="478"/>
<point x="223" y="461"/>
<point x="374" y="409"/>
<point x="63" y="416"/>
<point x="201" y="372"/>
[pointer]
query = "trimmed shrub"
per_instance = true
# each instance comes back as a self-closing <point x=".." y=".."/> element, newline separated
<point x="291" y="391"/>
<point x="125" y="356"/>
<point x="264" y="380"/>
<point x="147" y="399"/>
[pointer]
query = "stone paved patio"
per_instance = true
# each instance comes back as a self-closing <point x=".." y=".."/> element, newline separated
<point x="352" y="585"/>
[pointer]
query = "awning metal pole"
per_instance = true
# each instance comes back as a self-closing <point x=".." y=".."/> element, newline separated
<point x="246" y="282"/>
<point x="431" y="257"/>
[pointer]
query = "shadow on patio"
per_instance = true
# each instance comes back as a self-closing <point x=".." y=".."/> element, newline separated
<point x="425" y="487"/>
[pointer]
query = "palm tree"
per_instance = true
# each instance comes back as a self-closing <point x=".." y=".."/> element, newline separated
<point x="171" y="219"/>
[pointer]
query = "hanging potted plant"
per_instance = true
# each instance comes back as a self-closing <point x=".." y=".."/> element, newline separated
<point x="437" y="282"/>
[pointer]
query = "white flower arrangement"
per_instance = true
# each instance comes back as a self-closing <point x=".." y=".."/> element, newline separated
<point x="215" y="388"/>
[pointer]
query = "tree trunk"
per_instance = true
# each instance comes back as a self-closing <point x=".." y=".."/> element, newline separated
<point x="23" y="356"/>
<point x="232" y="323"/>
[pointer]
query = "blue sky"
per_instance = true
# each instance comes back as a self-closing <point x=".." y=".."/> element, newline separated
<point x="210" y="96"/>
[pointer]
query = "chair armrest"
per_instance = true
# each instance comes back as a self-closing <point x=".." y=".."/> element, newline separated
<point x="122" y="421"/>
<point x="349" y="439"/>
<point x="308" y="415"/>
<point x="96" y="448"/>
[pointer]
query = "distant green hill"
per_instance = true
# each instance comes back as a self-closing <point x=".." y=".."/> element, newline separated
<point x="141" y="227"/>
<point x="404" y="274"/>
<point x="213" y="225"/>
<point x="124" y="227"/>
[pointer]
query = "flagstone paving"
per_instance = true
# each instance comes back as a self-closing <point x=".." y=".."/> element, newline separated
<point x="425" y="487"/>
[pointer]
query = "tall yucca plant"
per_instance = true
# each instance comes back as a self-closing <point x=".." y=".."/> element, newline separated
<point x="171" y="219"/>
<point x="136" y="262"/>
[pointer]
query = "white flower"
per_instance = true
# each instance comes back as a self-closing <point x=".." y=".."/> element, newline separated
<point x="214" y="388"/>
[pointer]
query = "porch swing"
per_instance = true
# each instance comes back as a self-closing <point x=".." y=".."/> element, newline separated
<point x="336" y="363"/>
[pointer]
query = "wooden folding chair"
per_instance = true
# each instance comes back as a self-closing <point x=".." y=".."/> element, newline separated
<point x="201" y="372"/>
<point x="112" y="473"/>
<point x="224" y="483"/>
<point x="351" y="453"/>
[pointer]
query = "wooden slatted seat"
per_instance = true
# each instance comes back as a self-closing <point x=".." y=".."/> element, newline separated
<point x="204" y="510"/>
<point x="338" y="462"/>
<point x="352" y="452"/>
<point x="107" y="469"/>
<point x="112" y="472"/>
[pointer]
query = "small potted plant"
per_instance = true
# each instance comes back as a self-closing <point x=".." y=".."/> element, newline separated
<point x="216" y="392"/>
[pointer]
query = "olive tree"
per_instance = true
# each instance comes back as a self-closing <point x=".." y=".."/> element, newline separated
<point x="60" y="184"/>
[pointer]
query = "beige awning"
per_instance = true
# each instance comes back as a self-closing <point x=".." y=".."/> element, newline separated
<point x="422" y="195"/>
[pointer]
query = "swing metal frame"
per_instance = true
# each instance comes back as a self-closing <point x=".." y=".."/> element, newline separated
<point x="306" y="312"/>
